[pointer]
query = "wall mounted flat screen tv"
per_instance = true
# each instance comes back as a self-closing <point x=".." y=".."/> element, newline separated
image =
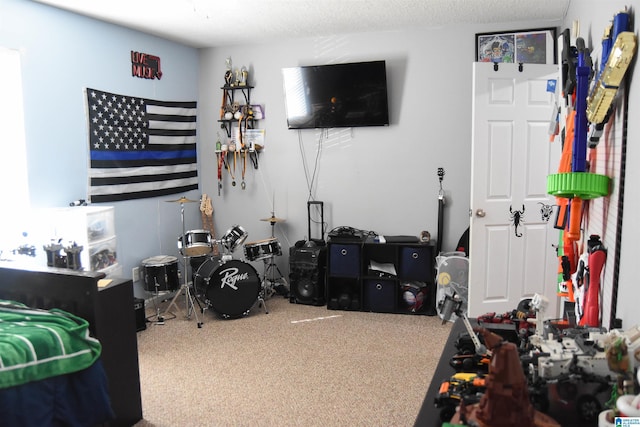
<point x="336" y="95"/>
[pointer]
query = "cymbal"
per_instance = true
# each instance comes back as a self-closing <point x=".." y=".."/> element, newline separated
<point x="182" y="200"/>
<point x="273" y="219"/>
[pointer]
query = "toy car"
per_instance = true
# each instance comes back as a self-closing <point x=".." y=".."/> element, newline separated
<point x="470" y="362"/>
<point x="467" y="386"/>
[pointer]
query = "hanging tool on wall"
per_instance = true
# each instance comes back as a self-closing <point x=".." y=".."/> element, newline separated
<point x="220" y="166"/>
<point x="233" y="147"/>
<point x="243" y="125"/>
<point x="219" y="160"/>
<point x="228" y="167"/>
<point x="441" y="203"/>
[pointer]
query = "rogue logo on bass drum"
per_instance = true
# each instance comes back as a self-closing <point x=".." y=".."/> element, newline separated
<point x="230" y="277"/>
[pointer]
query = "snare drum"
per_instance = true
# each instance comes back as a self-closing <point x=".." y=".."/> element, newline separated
<point x="255" y="251"/>
<point x="198" y="242"/>
<point x="231" y="288"/>
<point x="160" y="273"/>
<point x="234" y="237"/>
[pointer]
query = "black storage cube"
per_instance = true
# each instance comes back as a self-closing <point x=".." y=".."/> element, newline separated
<point x="344" y="260"/>
<point x="379" y="295"/>
<point x="415" y="263"/>
<point x="344" y="294"/>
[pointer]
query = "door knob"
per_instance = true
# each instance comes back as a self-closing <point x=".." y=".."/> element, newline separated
<point x="480" y="213"/>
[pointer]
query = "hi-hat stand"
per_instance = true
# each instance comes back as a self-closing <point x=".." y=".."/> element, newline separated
<point x="189" y="297"/>
<point x="272" y="274"/>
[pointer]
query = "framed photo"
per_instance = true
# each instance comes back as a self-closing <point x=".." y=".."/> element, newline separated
<point x="537" y="46"/>
<point x="254" y="139"/>
<point x="258" y="113"/>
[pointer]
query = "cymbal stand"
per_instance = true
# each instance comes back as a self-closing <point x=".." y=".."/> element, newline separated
<point x="189" y="298"/>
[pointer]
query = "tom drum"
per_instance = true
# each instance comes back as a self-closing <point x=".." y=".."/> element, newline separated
<point x="234" y="237"/>
<point x="255" y="251"/>
<point x="196" y="243"/>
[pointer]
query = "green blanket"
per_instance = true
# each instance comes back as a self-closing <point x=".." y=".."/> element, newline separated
<point x="38" y="344"/>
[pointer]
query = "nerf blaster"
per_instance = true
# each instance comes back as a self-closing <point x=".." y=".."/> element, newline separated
<point x="618" y="49"/>
<point x="573" y="184"/>
<point x="569" y="60"/>
<point x="591" y="305"/>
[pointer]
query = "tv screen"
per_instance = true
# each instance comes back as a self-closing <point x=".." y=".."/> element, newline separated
<point x="337" y="95"/>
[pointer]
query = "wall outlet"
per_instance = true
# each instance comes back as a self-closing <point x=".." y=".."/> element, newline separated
<point x="135" y="274"/>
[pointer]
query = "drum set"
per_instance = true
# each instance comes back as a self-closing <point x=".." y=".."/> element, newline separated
<point x="229" y="287"/>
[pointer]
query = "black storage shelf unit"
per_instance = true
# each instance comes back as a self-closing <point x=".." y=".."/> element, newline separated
<point x="381" y="277"/>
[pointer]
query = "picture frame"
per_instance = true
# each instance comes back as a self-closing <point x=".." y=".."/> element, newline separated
<point x="534" y="46"/>
<point x="254" y="139"/>
<point x="258" y="112"/>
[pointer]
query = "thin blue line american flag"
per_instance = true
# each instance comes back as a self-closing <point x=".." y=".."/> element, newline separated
<point x="139" y="147"/>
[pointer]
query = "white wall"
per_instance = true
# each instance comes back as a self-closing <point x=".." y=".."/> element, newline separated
<point x="61" y="54"/>
<point x="379" y="179"/>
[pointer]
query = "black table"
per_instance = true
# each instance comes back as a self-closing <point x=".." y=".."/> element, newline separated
<point x="563" y="411"/>
<point x="429" y="415"/>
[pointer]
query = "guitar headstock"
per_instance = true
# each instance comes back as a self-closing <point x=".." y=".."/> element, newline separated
<point x="205" y="205"/>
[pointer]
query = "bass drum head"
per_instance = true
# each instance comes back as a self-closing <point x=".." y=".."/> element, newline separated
<point x="233" y="288"/>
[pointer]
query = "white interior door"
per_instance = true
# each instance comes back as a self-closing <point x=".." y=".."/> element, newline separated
<point x="511" y="158"/>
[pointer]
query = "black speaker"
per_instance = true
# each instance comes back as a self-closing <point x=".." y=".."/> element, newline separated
<point x="306" y="274"/>
<point x="141" y="320"/>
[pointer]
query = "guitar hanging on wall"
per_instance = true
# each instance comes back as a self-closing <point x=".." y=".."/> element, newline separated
<point x="206" y="212"/>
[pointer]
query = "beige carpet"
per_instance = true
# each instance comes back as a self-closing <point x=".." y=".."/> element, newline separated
<point x="299" y="365"/>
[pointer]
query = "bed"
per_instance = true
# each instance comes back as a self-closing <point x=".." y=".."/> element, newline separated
<point x="94" y="378"/>
<point x="50" y="369"/>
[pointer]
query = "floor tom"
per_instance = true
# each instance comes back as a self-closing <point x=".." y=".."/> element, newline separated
<point x="160" y="273"/>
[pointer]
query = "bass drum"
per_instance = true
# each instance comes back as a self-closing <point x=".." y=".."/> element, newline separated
<point x="230" y="288"/>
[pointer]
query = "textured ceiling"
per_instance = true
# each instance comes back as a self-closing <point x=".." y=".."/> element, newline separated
<point x="210" y="23"/>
